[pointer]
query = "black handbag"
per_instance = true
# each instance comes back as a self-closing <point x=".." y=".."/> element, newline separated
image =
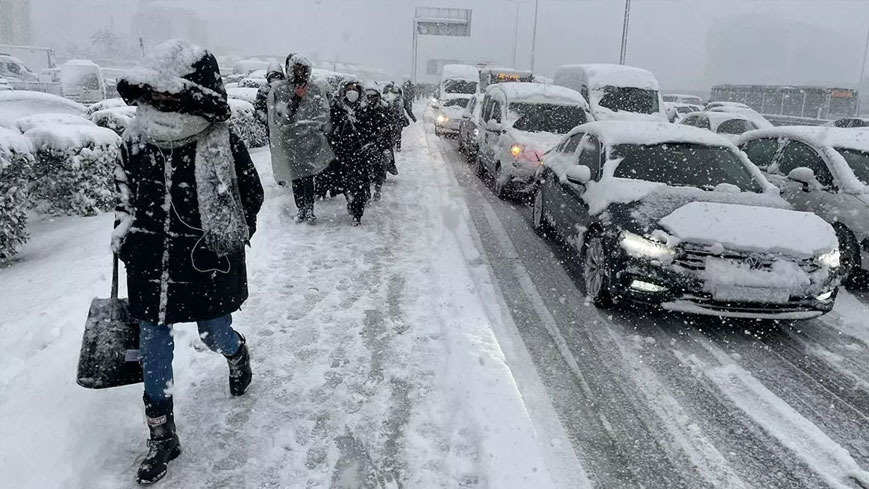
<point x="110" y="347"/>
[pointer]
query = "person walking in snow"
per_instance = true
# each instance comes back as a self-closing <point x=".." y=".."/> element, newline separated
<point x="275" y="74"/>
<point x="401" y="111"/>
<point x="188" y="196"/>
<point x="349" y="141"/>
<point x="298" y="113"/>
<point x="376" y="125"/>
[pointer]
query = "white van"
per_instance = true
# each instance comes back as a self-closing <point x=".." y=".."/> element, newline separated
<point x="615" y="91"/>
<point x="460" y="81"/>
<point x="82" y="80"/>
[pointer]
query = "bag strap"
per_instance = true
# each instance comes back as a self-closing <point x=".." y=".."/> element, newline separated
<point x="114" y="275"/>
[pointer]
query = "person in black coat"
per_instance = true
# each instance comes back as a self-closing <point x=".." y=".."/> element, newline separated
<point x="188" y="196"/>
<point x="260" y="105"/>
<point x="350" y="144"/>
<point x="376" y="126"/>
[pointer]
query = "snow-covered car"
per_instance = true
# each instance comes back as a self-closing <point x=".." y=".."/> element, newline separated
<point x="524" y="120"/>
<point x="716" y="104"/>
<point x="849" y="122"/>
<point x="735" y="108"/>
<point x="678" y="217"/>
<point x="16" y="104"/>
<point x="25" y="124"/>
<point x="470" y="127"/>
<point x="683" y="99"/>
<point x="448" y="114"/>
<point x="5" y="85"/>
<point x="458" y="80"/>
<point x="824" y="170"/>
<point x="13" y="68"/>
<point x="82" y="80"/>
<point x="727" y="124"/>
<point x="615" y="91"/>
<point x="677" y="110"/>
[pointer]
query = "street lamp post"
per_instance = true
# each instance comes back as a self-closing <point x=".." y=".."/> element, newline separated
<point x="624" y="51"/>
<point x="860" y="94"/>
<point x="534" y="37"/>
<point x="516" y="33"/>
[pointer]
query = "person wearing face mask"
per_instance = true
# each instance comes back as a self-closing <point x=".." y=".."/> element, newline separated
<point x="188" y="196"/>
<point x="401" y="111"/>
<point x="260" y="105"/>
<point x="350" y="144"/>
<point x="376" y="126"/>
<point x="298" y="122"/>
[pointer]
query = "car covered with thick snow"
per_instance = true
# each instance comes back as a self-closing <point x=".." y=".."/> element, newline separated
<point x="678" y="217"/>
<point x="727" y="124"/>
<point x="850" y="122"/>
<point x="615" y="91"/>
<point x="82" y="80"/>
<point x="25" y="124"/>
<point x="677" y="110"/>
<point x="678" y="98"/>
<point x="824" y="170"/>
<point x="448" y="114"/>
<point x="16" y="104"/>
<point x="739" y="108"/>
<point x="522" y="122"/>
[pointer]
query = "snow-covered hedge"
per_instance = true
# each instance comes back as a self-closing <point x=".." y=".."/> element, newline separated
<point x="16" y="166"/>
<point x="73" y="173"/>
<point x="117" y="119"/>
<point x="246" y="125"/>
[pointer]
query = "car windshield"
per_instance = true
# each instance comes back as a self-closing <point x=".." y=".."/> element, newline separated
<point x="558" y="119"/>
<point x="456" y="102"/>
<point x="630" y="99"/>
<point x="858" y="161"/>
<point x="736" y="126"/>
<point x="684" y="165"/>
<point x="460" y="86"/>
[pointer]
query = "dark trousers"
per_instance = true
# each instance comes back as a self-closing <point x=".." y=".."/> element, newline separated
<point x="303" y="193"/>
<point x="358" y="186"/>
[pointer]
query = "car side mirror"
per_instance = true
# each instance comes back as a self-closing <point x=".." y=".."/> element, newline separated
<point x="804" y="176"/>
<point x="578" y="174"/>
<point x="494" y="126"/>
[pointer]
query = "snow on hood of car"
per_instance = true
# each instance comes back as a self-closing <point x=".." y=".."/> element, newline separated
<point x="539" y="93"/>
<point x="25" y="124"/>
<point x="751" y="228"/>
<point x="16" y="104"/>
<point x="64" y="137"/>
<point x="602" y="113"/>
<point x="538" y="141"/>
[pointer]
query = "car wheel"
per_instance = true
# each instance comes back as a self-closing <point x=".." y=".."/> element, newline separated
<point x="596" y="271"/>
<point x="541" y="225"/>
<point x="499" y="185"/>
<point x="850" y="255"/>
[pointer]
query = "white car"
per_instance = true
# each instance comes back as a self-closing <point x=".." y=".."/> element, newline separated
<point x="615" y="92"/>
<point x="678" y="217"/>
<point x="470" y="127"/>
<point x="16" y="104"/>
<point x="727" y="124"/>
<point x="5" y="85"/>
<point x="683" y="99"/>
<point x="522" y="122"/>
<point x="824" y="170"/>
<point x="448" y="114"/>
<point x="677" y="110"/>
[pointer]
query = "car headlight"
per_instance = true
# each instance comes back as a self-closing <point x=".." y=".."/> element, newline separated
<point x="476" y="132"/>
<point x="442" y="118"/>
<point x="831" y="259"/>
<point x="640" y="247"/>
<point x="516" y="150"/>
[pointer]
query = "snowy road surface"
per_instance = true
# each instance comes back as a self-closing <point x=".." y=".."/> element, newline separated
<point x="441" y="345"/>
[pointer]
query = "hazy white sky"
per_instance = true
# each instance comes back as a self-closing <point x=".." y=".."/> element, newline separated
<point x="670" y="37"/>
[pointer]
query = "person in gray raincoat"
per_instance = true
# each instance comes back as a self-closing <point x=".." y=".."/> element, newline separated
<point x="298" y="113"/>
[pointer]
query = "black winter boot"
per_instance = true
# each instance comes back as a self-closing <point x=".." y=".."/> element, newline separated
<point x="164" y="445"/>
<point x="239" y="369"/>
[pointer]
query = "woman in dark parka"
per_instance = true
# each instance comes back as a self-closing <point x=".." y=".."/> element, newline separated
<point x="188" y="196"/>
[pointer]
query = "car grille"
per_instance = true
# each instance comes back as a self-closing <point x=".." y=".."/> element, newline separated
<point x="694" y="258"/>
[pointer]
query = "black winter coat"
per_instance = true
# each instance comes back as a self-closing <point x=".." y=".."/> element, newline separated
<point x="164" y="254"/>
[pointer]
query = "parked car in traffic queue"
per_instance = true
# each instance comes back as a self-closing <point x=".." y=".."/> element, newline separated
<point x="448" y="114"/>
<point x="677" y="217"/>
<point x="470" y="126"/>
<point x="727" y="124"/>
<point x="524" y="120"/>
<point x="824" y="170"/>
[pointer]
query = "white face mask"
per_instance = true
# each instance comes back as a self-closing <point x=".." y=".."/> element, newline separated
<point x="169" y="126"/>
<point x="389" y="97"/>
<point x="352" y="96"/>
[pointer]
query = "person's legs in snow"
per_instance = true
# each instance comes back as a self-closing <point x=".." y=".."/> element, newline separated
<point x="300" y="199"/>
<point x="218" y="335"/>
<point x="310" y="197"/>
<point x="156" y="348"/>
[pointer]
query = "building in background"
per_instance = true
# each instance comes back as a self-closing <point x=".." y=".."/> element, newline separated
<point x="157" y="21"/>
<point x="15" y="22"/>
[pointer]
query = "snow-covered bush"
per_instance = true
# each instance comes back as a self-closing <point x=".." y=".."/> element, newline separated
<point x="117" y="119"/>
<point x="246" y="94"/>
<point x="245" y="124"/>
<point x="16" y="165"/>
<point x="109" y="103"/>
<point x="73" y="172"/>
<point x="25" y="124"/>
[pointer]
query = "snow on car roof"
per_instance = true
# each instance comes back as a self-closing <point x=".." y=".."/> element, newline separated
<point x="602" y="75"/>
<point x="63" y="137"/>
<point x="539" y="93"/>
<point x="80" y="62"/>
<point x="461" y="72"/>
<point x="642" y="132"/>
<point x="15" y="104"/>
<point x="717" y="117"/>
<point x="819" y="136"/>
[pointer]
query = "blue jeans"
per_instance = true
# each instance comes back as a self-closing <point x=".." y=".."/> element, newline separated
<point x="157" y="346"/>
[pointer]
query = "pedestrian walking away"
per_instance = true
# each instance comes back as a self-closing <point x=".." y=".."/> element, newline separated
<point x="179" y="231"/>
<point x="298" y="113"/>
<point x="376" y="124"/>
<point x="402" y="112"/>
